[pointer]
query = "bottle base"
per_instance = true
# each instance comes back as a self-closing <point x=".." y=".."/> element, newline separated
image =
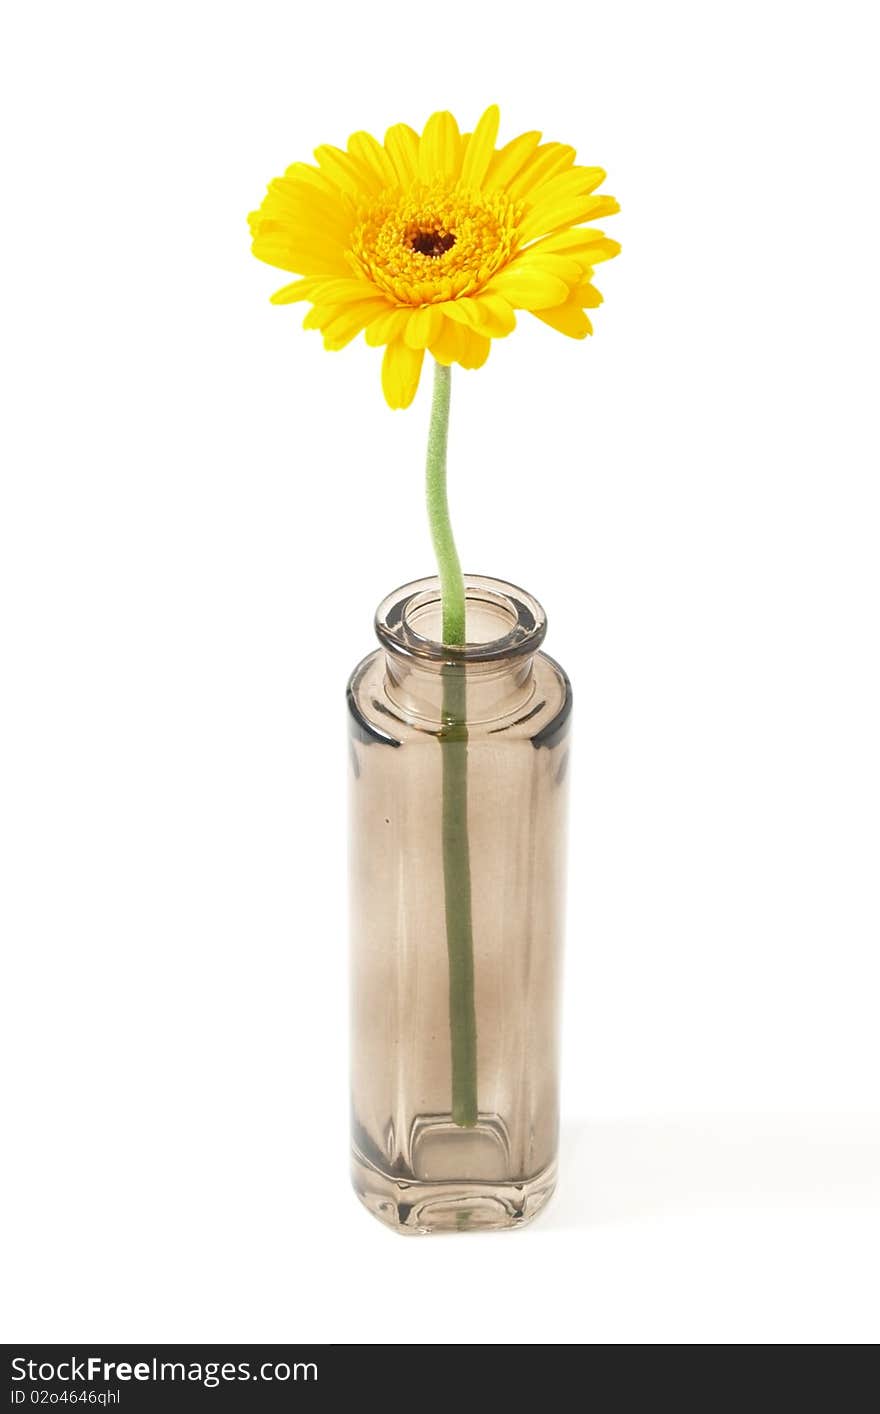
<point x="411" y="1206"/>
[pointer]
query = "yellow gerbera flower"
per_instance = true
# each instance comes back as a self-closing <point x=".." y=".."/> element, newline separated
<point x="433" y="242"/>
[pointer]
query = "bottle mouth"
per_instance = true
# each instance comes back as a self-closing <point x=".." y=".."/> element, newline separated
<point x="503" y="622"/>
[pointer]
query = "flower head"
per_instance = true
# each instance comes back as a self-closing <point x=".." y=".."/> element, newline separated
<point x="434" y="242"/>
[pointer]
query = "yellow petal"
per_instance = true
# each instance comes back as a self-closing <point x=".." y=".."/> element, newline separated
<point x="294" y="204"/>
<point x="301" y="258"/>
<point x="308" y="179"/>
<point x="586" y="295"/>
<point x="566" y="267"/>
<point x="440" y="148"/>
<point x="402" y="146"/>
<point x="422" y="326"/>
<point x="529" y="288"/>
<point x="566" y="200"/>
<point x="401" y="368"/>
<point x="318" y="316"/>
<point x="548" y="161"/>
<point x="456" y="343"/>
<point x="348" y="173"/>
<point x="486" y="313"/>
<point x="496" y="316"/>
<point x="462" y="311"/>
<point x="551" y="218"/>
<point x="480" y="148"/>
<point x="303" y="226"/>
<point x="577" y="181"/>
<point x="604" y="250"/>
<point x="474" y="349"/>
<point x="346" y="291"/>
<point x="447" y="341"/>
<point x="349" y="322"/>
<point x="300" y="289"/>
<point x="372" y="154"/>
<point x="590" y="246"/>
<point x="387" y="326"/>
<point x="568" y="318"/>
<point x="508" y="162"/>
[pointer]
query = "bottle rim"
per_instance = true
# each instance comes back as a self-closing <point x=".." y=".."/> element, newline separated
<point x="402" y="617"/>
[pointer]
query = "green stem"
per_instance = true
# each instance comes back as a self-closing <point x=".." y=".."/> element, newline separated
<point x="453" y="741"/>
<point x="448" y="564"/>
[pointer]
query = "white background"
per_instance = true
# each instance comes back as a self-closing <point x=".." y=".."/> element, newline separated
<point x="201" y="509"/>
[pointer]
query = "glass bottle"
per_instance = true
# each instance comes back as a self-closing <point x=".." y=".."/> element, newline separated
<point x="429" y="1016"/>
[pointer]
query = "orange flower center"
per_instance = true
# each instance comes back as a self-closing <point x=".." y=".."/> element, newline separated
<point x="434" y="242"/>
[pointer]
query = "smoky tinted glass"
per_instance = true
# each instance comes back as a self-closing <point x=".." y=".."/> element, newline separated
<point x="413" y="1165"/>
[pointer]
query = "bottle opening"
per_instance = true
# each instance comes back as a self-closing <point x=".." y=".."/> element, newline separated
<point x="502" y="622"/>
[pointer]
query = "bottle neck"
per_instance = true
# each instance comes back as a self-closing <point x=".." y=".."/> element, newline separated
<point x="491" y="676"/>
<point x="421" y="691"/>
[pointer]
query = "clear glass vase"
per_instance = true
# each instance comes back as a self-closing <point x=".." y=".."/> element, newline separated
<point x="458" y="810"/>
